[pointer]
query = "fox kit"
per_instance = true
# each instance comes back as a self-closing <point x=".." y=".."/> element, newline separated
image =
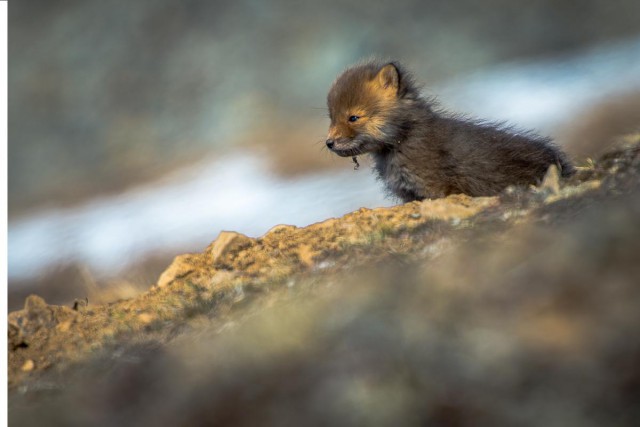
<point x="420" y="153"/>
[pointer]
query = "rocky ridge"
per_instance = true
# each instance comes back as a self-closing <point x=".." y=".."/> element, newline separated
<point x="237" y="278"/>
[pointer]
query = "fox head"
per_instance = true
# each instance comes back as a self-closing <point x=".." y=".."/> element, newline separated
<point x="365" y="104"/>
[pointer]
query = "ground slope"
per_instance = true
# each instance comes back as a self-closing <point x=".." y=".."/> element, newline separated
<point x="520" y="309"/>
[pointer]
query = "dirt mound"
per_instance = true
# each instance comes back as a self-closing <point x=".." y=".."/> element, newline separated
<point x="519" y="309"/>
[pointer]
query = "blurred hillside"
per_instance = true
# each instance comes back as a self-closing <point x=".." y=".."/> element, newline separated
<point x="515" y="310"/>
<point x="106" y="94"/>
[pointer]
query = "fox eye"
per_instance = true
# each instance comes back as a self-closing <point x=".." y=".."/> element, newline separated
<point x="353" y="118"/>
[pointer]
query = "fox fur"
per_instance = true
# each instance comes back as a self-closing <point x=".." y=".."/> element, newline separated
<point x="422" y="153"/>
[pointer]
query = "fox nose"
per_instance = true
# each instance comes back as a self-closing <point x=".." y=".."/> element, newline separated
<point x="330" y="143"/>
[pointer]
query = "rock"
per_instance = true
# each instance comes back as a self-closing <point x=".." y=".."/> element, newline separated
<point x="28" y="366"/>
<point x="181" y="266"/>
<point x="215" y="257"/>
<point x="37" y="315"/>
<point x="551" y="181"/>
<point x="34" y="305"/>
<point x="38" y="318"/>
<point x="226" y="243"/>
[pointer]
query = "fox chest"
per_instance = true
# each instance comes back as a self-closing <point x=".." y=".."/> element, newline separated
<point x="410" y="180"/>
<point x="400" y="178"/>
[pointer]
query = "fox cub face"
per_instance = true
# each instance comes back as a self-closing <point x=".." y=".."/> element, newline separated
<point x="361" y="102"/>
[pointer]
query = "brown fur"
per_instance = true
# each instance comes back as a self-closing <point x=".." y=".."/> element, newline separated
<point x="420" y="153"/>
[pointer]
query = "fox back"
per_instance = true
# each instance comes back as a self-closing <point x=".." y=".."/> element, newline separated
<point x="375" y="108"/>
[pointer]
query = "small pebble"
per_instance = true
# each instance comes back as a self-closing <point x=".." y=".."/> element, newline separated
<point x="28" y="366"/>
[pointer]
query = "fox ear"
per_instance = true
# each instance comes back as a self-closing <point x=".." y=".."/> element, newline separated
<point x="388" y="78"/>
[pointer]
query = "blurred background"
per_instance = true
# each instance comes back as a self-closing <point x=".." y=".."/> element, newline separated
<point x="139" y="130"/>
